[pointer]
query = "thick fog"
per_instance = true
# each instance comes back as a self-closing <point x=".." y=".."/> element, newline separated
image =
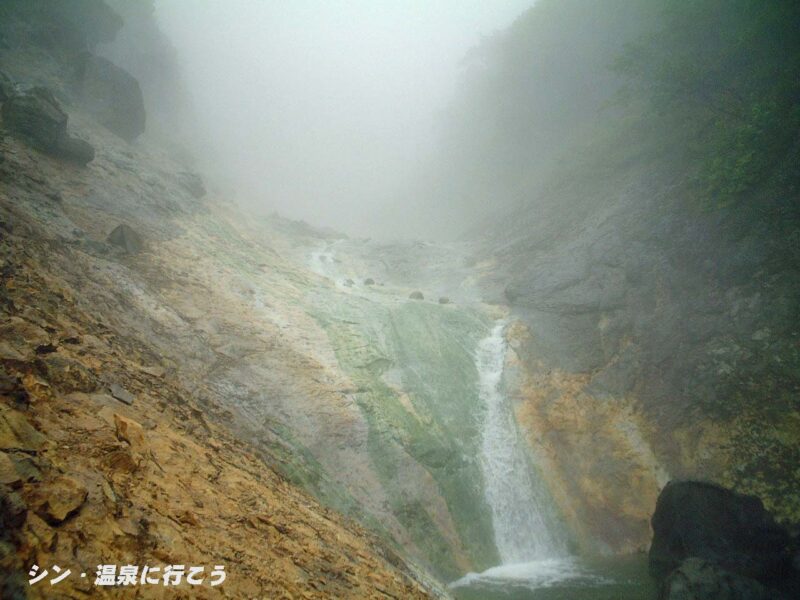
<point x="327" y="110"/>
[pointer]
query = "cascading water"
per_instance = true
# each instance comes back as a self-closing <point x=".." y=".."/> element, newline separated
<point x="523" y="525"/>
<point x="323" y="262"/>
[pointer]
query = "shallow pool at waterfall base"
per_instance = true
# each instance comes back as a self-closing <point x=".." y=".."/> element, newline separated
<point x="617" y="578"/>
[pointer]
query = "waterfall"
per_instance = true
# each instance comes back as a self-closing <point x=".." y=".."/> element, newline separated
<point x="523" y="527"/>
<point x="323" y="262"/>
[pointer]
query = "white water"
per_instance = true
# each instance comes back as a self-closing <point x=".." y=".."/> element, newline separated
<point x="522" y="528"/>
<point x="548" y="572"/>
<point x="323" y="262"/>
<point x="532" y="549"/>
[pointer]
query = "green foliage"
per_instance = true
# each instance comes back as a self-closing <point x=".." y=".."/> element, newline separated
<point x="742" y="153"/>
<point x="529" y="96"/>
<point x="711" y="85"/>
<point x="726" y="73"/>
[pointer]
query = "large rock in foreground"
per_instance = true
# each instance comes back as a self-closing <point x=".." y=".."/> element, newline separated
<point x="37" y="117"/>
<point x="697" y="579"/>
<point x="733" y="531"/>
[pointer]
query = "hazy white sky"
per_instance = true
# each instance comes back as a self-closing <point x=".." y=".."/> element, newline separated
<point x="323" y="109"/>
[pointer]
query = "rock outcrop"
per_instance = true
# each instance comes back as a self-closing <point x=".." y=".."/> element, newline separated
<point x="734" y="531"/>
<point x="111" y="95"/>
<point x="697" y="579"/>
<point x="38" y="118"/>
<point x="86" y="479"/>
<point x="63" y="29"/>
<point x="62" y="499"/>
<point x="125" y="237"/>
<point x="660" y="304"/>
<point x="710" y="542"/>
<point x="645" y="320"/>
<point x="149" y="412"/>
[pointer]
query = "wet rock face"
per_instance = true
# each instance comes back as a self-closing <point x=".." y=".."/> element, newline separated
<point x="685" y="322"/>
<point x="111" y="95"/>
<point x="87" y="479"/>
<point x="695" y="519"/>
<point x="38" y="118"/>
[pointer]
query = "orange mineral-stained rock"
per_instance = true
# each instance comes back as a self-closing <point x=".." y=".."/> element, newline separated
<point x="89" y="479"/>
<point x="131" y="432"/>
<point x="59" y="500"/>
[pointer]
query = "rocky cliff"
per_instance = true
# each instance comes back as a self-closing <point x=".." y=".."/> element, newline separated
<point x="175" y="373"/>
<point x="216" y="334"/>
<point x="657" y="333"/>
<point x="160" y="380"/>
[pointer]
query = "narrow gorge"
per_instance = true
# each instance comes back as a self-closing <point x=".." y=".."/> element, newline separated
<point x="565" y="365"/>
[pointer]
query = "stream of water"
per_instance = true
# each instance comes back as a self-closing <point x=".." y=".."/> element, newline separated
<point x="533" y="549"/>
<point x="531" y="540"/>
<point x="523" y="528"/>
<point x="323" y="262"/>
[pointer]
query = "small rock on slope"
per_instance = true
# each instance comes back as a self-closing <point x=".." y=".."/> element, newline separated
<point x="125" y="237"/>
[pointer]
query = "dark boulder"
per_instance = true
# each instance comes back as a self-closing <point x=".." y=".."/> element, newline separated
<point x="76" y="150"/>
<point x="416" y="295"/>
<point x="444" y="300"/>
<point x="111" y="95"/>
<point x="125" y="237"/>
<point x="697" y="579"/>
<point x="38" y="118"/>
<point x="733" y="531"/>
<point x="369" y="281"/>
